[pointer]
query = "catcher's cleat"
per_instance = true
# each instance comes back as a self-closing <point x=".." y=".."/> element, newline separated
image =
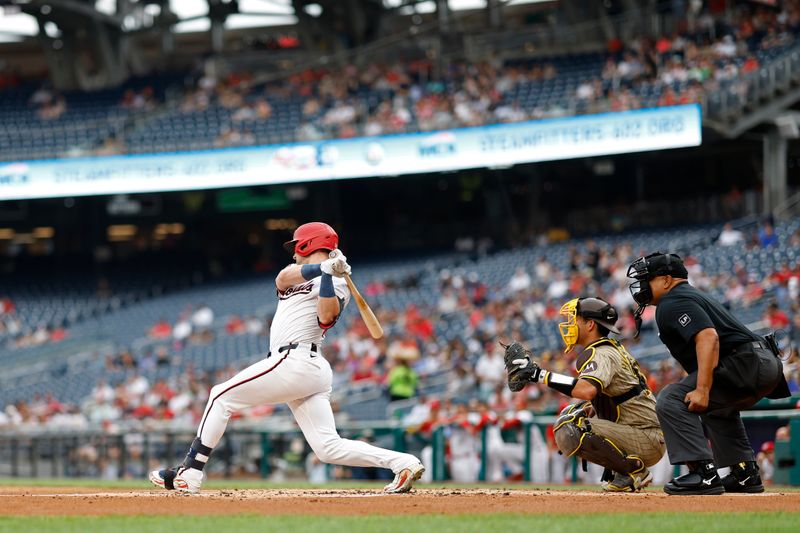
<point x="179" y="478"/>
<point x="404" y="479"/>
<point x="633" y="482"/>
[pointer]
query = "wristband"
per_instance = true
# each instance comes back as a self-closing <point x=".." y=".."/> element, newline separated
<point x="560" y="382"/>
<point x="326" y="287"/>
<point x="310" y="272"/>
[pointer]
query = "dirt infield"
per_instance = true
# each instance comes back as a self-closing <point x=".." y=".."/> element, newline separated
<point x="39" y="501"/>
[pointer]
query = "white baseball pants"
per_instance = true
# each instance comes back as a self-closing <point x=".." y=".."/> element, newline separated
<point x="302" y="379"/>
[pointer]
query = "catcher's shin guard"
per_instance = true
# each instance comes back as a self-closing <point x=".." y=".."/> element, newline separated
<point x="573" y="434"/>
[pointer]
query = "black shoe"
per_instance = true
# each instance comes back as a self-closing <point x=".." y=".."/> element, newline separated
<point x="744" y="477"/>
<point x="701" y="479"/>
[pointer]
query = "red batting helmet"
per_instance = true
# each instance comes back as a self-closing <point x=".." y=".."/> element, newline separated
<point x="311" y="237"/>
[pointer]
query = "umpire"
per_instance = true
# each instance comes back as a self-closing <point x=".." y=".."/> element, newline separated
<point x="729" y="368"/>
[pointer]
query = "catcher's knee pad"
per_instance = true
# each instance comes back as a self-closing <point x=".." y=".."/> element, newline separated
<point x="570" y="426"/>
<point x="573" y="434"/>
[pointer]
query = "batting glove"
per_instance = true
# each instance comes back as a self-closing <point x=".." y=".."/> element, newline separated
<point x="339" y="267"/>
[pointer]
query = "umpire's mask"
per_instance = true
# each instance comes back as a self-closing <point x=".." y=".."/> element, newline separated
<point x="646" y="268"/>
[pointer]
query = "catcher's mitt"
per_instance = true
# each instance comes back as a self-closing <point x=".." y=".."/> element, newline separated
<point x="521" y="369"/>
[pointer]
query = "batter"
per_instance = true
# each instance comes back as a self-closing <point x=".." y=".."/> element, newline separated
<point x="311" y="295"/>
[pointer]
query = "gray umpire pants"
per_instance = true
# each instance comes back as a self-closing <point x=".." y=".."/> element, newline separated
<point x="687" y="434"/>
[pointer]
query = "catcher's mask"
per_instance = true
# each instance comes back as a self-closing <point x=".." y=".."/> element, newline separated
<point x="594" y="309"/>
<point x="646" y="268"/>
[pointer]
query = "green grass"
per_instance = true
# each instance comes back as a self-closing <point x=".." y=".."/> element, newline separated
<point x="616" y="523"/>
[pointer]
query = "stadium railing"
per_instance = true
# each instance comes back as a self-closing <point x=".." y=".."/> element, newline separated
<point x="71" y="453"/>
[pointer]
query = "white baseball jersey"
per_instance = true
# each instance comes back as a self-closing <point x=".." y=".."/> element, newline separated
<point x="296" y="317"/>
<point x="300" y="378"/>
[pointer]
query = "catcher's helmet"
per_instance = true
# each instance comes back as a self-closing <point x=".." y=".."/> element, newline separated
<point x="594" y="309"/>
<point x="311" y="237"/>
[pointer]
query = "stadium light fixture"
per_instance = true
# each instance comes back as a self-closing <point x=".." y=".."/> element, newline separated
<point x="44" y="232"/>
<point x="192" y="26"/>
<point x="121" y="232"/>
<point x="314" y="10"/>
<point x="425" y="7"/>
<point x="7" y="234"/>
<point x="52" y="30"/>
<point x="169" y="229"/>
<point x="280" y="224"/>
<point x="109" y="7"/>
<point x="252" y="20"/>
<point x="16" y="26"/>
<point x="461" y="5"/>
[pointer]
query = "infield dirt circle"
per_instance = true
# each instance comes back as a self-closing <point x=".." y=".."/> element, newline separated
<point x="39" y="501"/>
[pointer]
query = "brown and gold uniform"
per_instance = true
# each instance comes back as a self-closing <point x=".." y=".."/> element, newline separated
<point x="624" y="410"/>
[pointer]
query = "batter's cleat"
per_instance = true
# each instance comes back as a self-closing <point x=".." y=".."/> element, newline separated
<point x="180" y="478"/>
<point x="404" y="479"/>
<point x="633" y="482"/>
<point x="702" y="479"/>
<point x="744" y="477"/>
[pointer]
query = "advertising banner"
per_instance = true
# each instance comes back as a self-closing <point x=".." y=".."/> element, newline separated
<point x="392" y="155"/>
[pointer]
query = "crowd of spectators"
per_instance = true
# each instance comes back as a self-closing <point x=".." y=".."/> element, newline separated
<point x="705" y="54"/>
<point x="412" y="95"/>
<point x="412" y="351"/>
<point x="416" y="95"/>
<point x="194" y="325"/>
<point x="14" y="332"/>
<point x="474" y="394"/>
<point x="709" y="50"/>
<point x="47" y="104"/>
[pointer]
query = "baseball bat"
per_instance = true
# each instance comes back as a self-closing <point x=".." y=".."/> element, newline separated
<point x="364" y="309"/>
<point x="367" y="315"/>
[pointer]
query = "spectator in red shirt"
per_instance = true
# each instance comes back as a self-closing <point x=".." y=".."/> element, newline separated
<point x="160" y="330"/>
<point x="667" y="98"/>
<point x="783" y="275"/>
<point x="364" y="372"/>
<point x="7" y="306"/>
<point x="775" y="318"/>
<point x="235" y="325"/>
<point x="58" y="334"/>
<point x="663" y="45"/>
<point x="750" y="64"/>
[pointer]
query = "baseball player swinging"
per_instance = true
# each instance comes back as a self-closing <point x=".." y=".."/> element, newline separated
<point x="311" y="296"/>
<point x="615" y="425"/>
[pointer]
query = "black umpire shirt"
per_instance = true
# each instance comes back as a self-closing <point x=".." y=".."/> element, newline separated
<point x="684" y="311"/>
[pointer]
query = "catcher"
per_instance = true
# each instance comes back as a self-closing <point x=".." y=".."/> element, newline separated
<point x="615" y="426"/>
